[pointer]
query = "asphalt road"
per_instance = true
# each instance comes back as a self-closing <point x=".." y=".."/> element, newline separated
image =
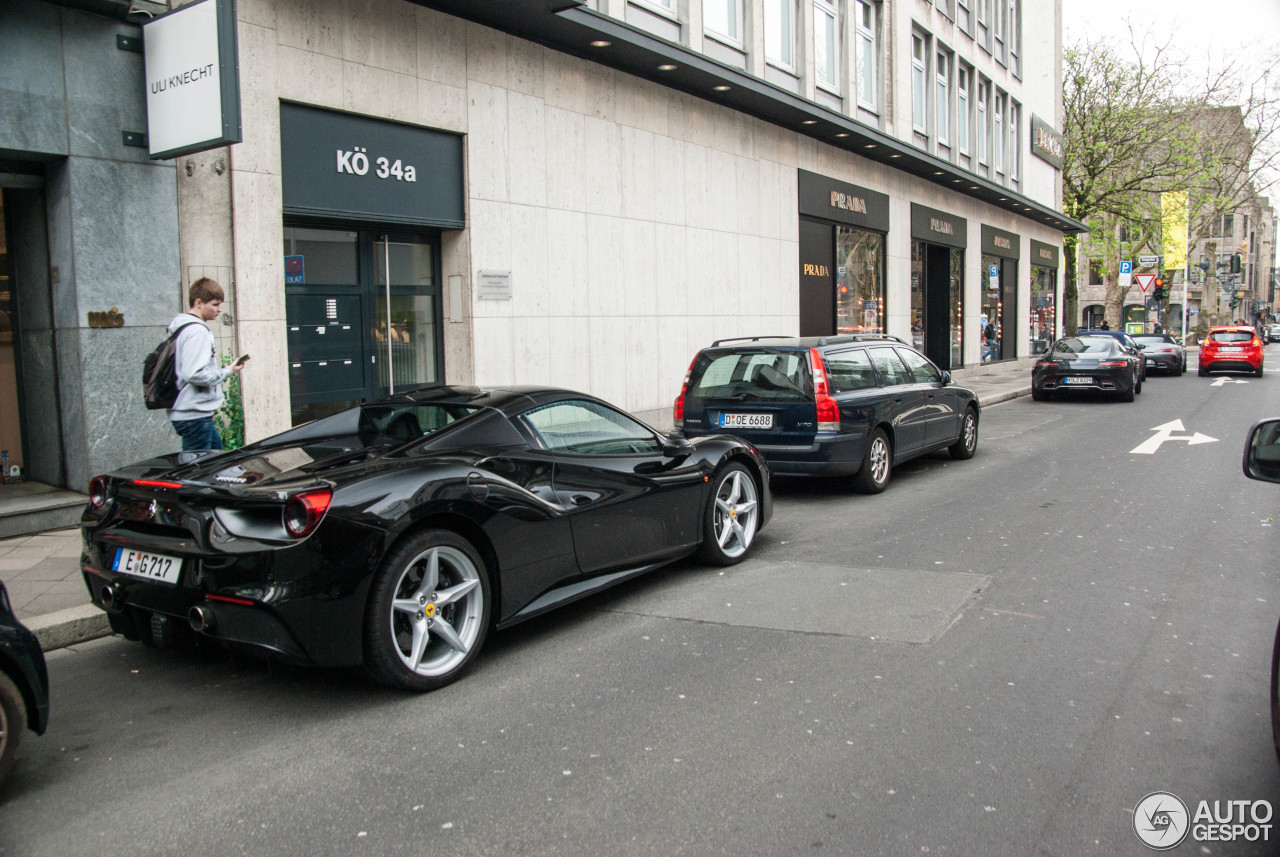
<point x="999" y="656"/>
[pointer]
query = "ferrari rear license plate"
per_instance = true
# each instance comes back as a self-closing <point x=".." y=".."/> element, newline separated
<point x="149" y="566"/>
<point x="757" y="421"/>
<point x="1079" y="379"/>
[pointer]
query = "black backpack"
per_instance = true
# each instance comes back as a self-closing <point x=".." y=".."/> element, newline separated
<point x="160" y="374"/>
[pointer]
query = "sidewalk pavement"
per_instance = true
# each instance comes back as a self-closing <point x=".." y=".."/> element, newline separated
<point x="42" y="571"/>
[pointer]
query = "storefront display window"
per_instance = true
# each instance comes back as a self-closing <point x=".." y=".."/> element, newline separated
<point x="859" y="281"/>
<point x="1044" y="308"/>
<point x="917" y="294"/>
<point x="957" y="308"/>
<point x="991" y="321"/>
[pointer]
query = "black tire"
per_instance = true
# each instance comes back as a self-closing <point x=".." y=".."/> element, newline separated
<point x="1259" y="372"/>
<point x="1038" y="395"/>
<point x="967" y="444"/>
<point x="1137" y="386"/>
<point x="1127" y="395"/>
<point x="1201" y="371"/>
<point x="1275" y="693"/>
<point x="451" y="619"/>
<point x="731" y="518"/>
<point x="877" y="465"/>
<point x="13" y="725"/>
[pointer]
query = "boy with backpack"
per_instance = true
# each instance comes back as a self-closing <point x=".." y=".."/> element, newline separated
<point x="199" y="377"/>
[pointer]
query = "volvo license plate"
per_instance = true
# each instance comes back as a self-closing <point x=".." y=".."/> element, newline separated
<point x="1078" y="379"/>
<point x="149" y="566"/>
<point x="755" y="421"/>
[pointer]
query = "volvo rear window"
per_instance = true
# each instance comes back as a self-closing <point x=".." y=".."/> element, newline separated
<point x="752" y="376"/>
<point x="1231" y="336"/>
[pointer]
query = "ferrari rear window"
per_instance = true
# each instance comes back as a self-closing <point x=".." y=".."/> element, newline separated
<point x="1231" y="336"/>
<point x="410" y="422"/>
<point x="752" y="376"/>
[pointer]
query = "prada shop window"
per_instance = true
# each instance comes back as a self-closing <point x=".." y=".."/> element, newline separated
<point x="1044" y="308"/>
<point x="860" y="266"/>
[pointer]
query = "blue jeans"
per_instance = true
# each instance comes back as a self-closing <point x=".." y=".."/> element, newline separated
<point x="198" y="434"/>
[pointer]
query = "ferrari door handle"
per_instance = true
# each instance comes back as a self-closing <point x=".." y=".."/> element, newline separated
<point x="581" y="499"/>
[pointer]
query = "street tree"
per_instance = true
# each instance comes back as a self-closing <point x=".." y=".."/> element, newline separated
<point x="1138" y="125"/>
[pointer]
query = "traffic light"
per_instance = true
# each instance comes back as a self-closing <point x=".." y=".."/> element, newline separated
<point x="1235" y="263"/>
<point x="1160" y="291"/>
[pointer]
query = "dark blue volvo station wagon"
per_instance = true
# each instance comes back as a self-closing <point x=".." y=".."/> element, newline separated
<point x="855" y="405"/>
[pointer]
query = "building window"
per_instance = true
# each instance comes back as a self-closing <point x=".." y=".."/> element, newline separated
<point x="918" y="114"/>
<point x="826" y="44"/>
<point x="962" y="109"/>
<point x="984" y="130"/>
<point x="865" y="30"/>
<point x="1014" y="121"/>
<point x="942" y="72"/>
<point x="1095" y="272"/>
<point x="1014" y="34"/>
<point x="997" y="133"/>
<point x="779" y="32"/>
<point x="723" y="18"/>
<point x="860" y="292"/>
<point x="962" y="16"/>
<point x="1228" y="225"/>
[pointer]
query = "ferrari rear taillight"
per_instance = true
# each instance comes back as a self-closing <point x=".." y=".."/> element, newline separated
<point x="828" y="410"/>
<point x="304" y="512"/>
<point x="156" y="483"/>
<point x="677" y="411"/>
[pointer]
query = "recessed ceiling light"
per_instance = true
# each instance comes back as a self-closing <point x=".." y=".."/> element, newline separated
<point x="600" y="43"/>
<point x="955" y="181"/>
<point x="973" y="187"/>
<point x="666" y="66"/>
<point x="869" y="146"/>
<point x="895" y="156"/>
<point x="809" y="122"/>
<point x="843" y="134"/>
<point x="1004" y="199"/>
<point x="721" y="88"/>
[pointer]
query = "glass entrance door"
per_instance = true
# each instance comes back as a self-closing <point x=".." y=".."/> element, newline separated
<point x="363" y="316"/>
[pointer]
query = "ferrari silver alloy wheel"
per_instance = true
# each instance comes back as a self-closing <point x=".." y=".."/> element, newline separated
<point x="437" y="611"/>
<point x="737" y="513"/>
<point x="878" y="458"/>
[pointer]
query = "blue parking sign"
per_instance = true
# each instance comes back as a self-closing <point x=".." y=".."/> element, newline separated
<point x="1126" y="267"/>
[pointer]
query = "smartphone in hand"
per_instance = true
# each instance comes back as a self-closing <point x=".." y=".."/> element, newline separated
<point x="242" y="359"/>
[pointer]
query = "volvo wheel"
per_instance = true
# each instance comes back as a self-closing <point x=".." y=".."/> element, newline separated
<point x="731" y="518"/>
<point x="428" y="612"/>
<point x="967" y="444"/>
<point x="877" y="463"/>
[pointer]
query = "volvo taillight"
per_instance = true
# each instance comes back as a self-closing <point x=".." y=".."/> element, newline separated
<point x="304" y="512"/>
<point x="677" y="410"/>
<point x="828" y="410"/>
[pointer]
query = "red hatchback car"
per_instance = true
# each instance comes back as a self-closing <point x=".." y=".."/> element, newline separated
<point x="1233" y="347"/>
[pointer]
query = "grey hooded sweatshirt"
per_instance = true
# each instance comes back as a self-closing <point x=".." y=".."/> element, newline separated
<point x="199" y="375"/>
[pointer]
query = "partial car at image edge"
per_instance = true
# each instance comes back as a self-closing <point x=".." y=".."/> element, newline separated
<point x="24" y="687"/>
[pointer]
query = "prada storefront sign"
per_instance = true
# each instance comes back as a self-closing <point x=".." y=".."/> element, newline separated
<point x="938" y="227"/>
<point x="1044" y="255"/>
<point x="1046" y="143"/>
<point x="997" y="242"/>
<point x="344" y="167"/>
<point x="834" y="200"/>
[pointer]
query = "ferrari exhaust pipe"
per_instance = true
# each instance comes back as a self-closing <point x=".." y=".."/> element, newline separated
<point x="111" y="599"/>
<point x="201" y="618"/>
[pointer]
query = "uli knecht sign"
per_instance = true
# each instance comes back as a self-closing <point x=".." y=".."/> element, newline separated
<point x="192" y="78"/>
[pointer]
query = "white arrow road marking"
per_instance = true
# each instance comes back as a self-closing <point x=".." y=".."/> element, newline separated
<point x="1166" y="432"/>
<point x="1221" y="381"/>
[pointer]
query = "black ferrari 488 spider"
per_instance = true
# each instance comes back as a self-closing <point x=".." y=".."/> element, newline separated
<point x="392" y="536"/>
